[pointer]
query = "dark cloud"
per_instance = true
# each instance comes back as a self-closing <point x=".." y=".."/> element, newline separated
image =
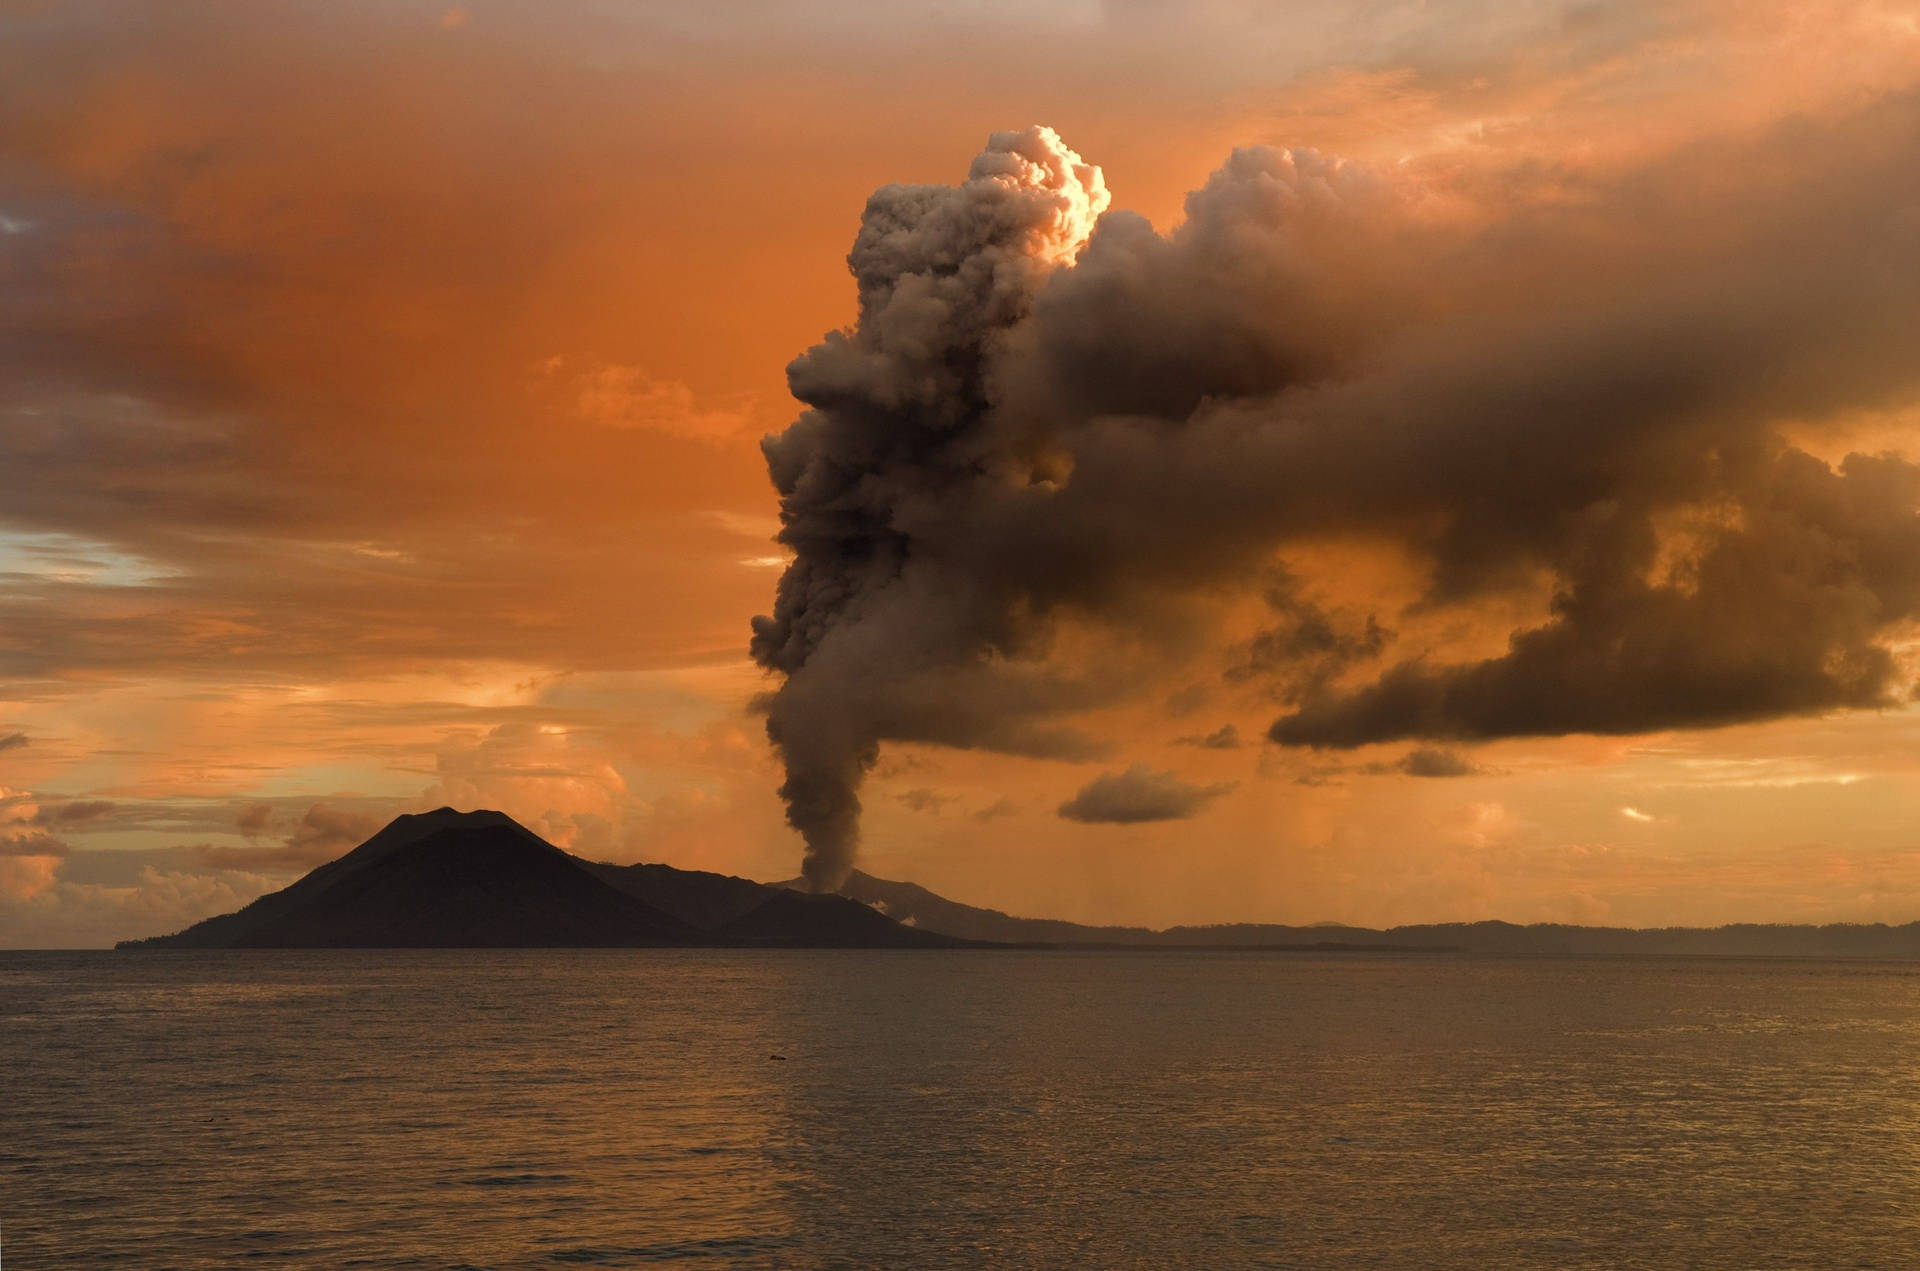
<point x="1497" y="452"/>
<point x="325" y="832"/>
<point x="31" y="843"/>
<point x="321" y="834"/>
<point x="1187" y="699"/>
<point x="1002" y="806"/>
<point x="1429" y="761"/>
<point x="1421" y="761"/>
<point x="316" y="836"/>
<point x="923" y="800"/>
<point x="1488" y="442"/>
<point x="1225" y="737"/>
<point x="1307" y="647"/>
<point x="871" y="638"/>
<point x="196" y="820"/>
<point x="12" y="741"/>
<point x="1780" y="613"/>
<point x="1139" y="794"/>
<point x="74" y="812"/>
<point x="1551" y="377"/>
<point x="271" y="858"/>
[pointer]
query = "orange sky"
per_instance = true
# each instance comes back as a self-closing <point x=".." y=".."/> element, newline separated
<point x="382" y="396"/>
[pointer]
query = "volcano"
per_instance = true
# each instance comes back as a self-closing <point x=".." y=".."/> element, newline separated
<point x="448" y="879"/>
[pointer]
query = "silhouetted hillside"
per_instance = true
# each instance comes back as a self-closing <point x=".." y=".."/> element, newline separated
<point x="443" y="879"/>
<point x="927" y="911"/>
<point x="741" y="911"/>
<point x="798" y="918"/>
<point x="696" y="897"/>
<point x="913" y="904"/>
<point x="448" y="879"/>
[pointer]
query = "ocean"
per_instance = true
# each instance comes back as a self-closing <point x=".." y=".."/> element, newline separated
<point x="978" y="1109"/>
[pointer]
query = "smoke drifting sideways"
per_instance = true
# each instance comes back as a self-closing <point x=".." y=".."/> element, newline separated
<point x="1622" y="386"/>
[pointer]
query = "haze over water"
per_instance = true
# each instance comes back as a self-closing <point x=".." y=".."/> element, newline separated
<point x="994" y="1109"/>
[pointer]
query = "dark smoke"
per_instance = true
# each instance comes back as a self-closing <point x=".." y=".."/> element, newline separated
<point x="1619" y="388"/>
<point x="896" y="405"/>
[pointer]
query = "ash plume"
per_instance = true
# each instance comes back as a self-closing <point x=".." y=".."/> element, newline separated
<point x="896" y="403"/>
<point x="1635" y="389"/>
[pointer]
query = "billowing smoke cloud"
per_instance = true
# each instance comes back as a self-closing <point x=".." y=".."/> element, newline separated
<point x="897" y="408"/>
<point x="1139" y="794"/>
<point x="1777" y="614"/>
<point x="1613" y="389"/>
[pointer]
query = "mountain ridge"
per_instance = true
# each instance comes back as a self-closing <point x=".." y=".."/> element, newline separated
<point x="479" y="879"/>
<point x="449" y="879"/>
<point x="912" y="903"/>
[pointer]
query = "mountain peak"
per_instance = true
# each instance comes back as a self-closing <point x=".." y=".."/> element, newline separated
<point x="453" y="879"/>
<point x="479" y="816"/>
<point x="445" y="879"/>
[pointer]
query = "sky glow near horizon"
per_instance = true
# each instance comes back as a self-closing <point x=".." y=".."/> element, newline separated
<point x="381" y="414"/>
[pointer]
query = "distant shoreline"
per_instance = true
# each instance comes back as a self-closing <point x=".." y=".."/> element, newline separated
<point x="480" y="880"/>
<point x="148" y="948"/>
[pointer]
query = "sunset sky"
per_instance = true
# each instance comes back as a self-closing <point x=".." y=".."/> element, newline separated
<point x="383" y="388"/>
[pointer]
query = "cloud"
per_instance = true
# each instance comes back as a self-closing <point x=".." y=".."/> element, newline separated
<point x="1306" y="647"/>
<point x="273" y="374"/>
<point x="196" y="380"/>
<point x="1225" y="737"/>
<point x="23" y="877"/>
<point x="1779" y="613"/>
<point x="1139" y="793"/>
<point x="49" y="909"/>
<point x="628" y="397"/>
<point x="330" y="830"/>
<point x="253" y="819"/>
<point x="24" y="842"/>
<point x="269" y="858"/>
<point x="1255" y="436"/>
<point x="29" y="856"/>
<point x="559" y="785"/>
<point x="1421" y="761"/>
<point x="924" y="800"/>
<point x="1002" y="806"/>
<point x="1513" y="381"/>
<point x="321" y="834"/>
<point x="12" y="741"/>
<point x="942" y="272"/>
<point x="75" y="812"/>
<point x="19" y="812"/>
<point x="1429" y="761"/>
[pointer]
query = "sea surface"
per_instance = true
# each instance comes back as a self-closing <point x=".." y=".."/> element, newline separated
<point x="978" y="1109"/>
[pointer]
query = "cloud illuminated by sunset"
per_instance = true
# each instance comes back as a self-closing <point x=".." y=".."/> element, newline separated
<point x="383" y="389"/>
